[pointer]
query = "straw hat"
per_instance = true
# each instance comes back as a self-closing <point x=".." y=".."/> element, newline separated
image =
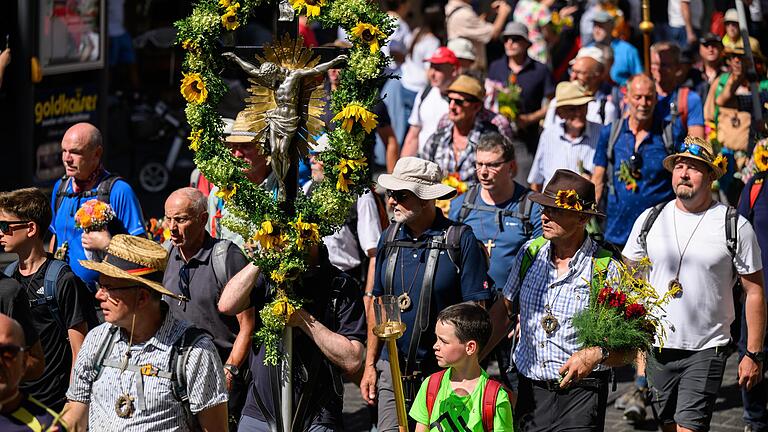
<point x="422" y="177"/>
<point x="569" y="93"/>
<point x="131" y="258"/>
<point x="699" y="149"/>
<point x="241" y="130"/>
<point x="570" y="191"/>
<point x="738" y="48"/>
<point x="469" y="86"/>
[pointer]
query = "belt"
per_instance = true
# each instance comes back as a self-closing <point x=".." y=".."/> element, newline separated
<point x="727" y="349"/>
<point x="593" y="380"/>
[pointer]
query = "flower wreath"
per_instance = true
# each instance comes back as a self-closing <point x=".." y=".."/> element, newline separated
<point x="284" y="237"/>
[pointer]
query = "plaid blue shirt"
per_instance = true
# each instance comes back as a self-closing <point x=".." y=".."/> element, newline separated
<point x="539" y="356"/>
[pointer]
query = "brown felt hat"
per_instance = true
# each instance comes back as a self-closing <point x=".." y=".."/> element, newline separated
<point x="570" y="191"/>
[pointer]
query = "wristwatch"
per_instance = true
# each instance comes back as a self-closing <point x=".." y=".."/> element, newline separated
<point x="758" y="357"/>
<point x="232" y="369"/>
<point x="604" y="353"/>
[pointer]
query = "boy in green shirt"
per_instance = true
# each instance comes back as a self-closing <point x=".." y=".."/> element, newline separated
<point x="453" y="399"/>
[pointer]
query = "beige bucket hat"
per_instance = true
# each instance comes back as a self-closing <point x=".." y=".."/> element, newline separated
<point x="422" y="177"/>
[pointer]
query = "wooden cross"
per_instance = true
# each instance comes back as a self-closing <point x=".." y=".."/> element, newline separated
<point x="489" y="245"/>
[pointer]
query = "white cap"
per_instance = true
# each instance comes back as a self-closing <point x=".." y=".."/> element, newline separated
<point x="592" y="52"/>
<point x="463" y="48"/>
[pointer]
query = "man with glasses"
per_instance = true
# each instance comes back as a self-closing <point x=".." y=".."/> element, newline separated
<point x="199" y="267"/>
<point x="144" y="369"/>
<point x="536" y="88"/>
<point x="429" y="262"/>
<point x="452" y="146"/>
<point x="19" y="412"/>
<point x="571" y="142"/>
<point x="628" y="157"/>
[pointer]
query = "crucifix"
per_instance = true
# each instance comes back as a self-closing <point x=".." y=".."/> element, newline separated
<point x="488" y="246"/>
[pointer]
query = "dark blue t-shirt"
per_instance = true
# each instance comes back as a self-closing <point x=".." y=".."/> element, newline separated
<point x="653" y="187"/>
<point x="128" y="220"/>
<point x="12" y="422"/>
<point x="507" y="234"/>
<point x="450" y="285"/>
<point x="758" y="217"/>
<point x="534" y="80"/>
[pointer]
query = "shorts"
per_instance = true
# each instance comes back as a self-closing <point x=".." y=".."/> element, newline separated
<point x="684" y="385"/>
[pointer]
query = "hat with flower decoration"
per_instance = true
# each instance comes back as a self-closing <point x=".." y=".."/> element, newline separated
<point x="569" y="191"/>
<point x="699" y="149"/>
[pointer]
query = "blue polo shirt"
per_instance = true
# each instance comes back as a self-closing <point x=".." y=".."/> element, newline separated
<point x="450" y="286"/>
<point x="128" y="220"/>
<point x="653" y="187"/>
<point x="758" y="217"/>
<point x="626" y="61"/>
<point x="507" y="233"/>
<point x="695" y="113"/>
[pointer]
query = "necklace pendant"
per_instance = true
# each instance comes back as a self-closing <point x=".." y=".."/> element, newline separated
<point x="549" y="323"/>
<point x="404" y="301"/>
<point x="124" y="406"/>
<point x="676" y="287"/>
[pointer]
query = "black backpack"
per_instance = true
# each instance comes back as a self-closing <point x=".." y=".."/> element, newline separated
<point x="102" y="192"/>
<point x="523" y="213"/>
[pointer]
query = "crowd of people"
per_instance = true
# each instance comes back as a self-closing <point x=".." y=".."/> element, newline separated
<point x="510" y="181"/>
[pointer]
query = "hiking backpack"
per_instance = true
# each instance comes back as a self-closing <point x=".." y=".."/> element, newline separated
<point x="102" y="192"/>
<point x="490" y="393"/>
<point x="55" y="270"/>
<point x="523" y="203"/>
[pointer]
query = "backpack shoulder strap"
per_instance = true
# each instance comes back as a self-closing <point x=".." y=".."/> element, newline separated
<point x="433" y="387"/>
<point x="105" y="349"/>
<point x="426" y="91"/>
<point x="11" y="268"/>
<point x="613" y="137"/>
<point x="648" y="223"/>
<point x="732" y="230"/>
<point x="390" y="252"/>
<point x="53" y="273"/>
<point x="721" y="82"/>
<point x="61" y="192"/>
<point x="219" y="261"/>
<point x="529" y="256"/>
<point x="453" y="243"/>
<point x="682" y="103"/>
<point x="490" y="394"/>
<point x="603" y="259"/>
<point x="524" y="208"/>
<point x="469" y="199"/>
<point x="104" y="189"/>
<point x="178" y="362"/>
<point x="754" y="192"/>
<point x="601" y="111"/>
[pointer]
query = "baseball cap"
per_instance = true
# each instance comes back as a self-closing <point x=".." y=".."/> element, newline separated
<point x="443" y="55"/>
<point x="602" y="17"/>
<point x="592" y="52"/>
<point x="710" y="37"/>
<point x="731" y="16"/>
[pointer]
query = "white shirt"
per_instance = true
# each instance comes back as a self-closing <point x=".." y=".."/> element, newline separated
<point x="676" y="16"/>
<point x="556" y="151"/>
<point x="593" y="112"/>
<point x="434" y="107"/>
<point x="701" y="317"/>
<point x="414" y="69"/>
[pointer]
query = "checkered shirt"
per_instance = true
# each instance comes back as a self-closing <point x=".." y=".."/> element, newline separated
<point x="539" y="356"/>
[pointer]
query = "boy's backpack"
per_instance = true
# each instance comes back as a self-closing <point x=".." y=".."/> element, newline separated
<point x="490" y="393"/>
<point x="523" y="213"/>
<point x="55" y="270"/>
<point x="177" y="373"/>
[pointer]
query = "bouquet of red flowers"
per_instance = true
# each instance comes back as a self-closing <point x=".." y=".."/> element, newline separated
<point x="624" y="312"/>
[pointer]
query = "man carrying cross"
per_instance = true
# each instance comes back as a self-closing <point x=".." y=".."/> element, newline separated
<point x="283" y="121"/>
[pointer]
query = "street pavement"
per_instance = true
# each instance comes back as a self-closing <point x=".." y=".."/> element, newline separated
<point x="727" y="416"/>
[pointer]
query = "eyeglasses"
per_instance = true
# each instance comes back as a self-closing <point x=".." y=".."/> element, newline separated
<point x="694" y="149"/>
<point x="6" y="226"/>
<point x="460" y="102"/>
<point x="108" y="289"/>
<point x="9" y="352"/>
<point x="635" y="164"/>
<point x="398" y="195"/>
<point x="490" y="166"/>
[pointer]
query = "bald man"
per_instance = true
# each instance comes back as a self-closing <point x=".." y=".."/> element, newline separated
<point x="14" y="404"/>
<point x="199" y="267"/>
<point x="86" y="179"/>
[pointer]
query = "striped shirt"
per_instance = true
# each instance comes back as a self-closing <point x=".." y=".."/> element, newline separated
<point x="206" y="386"/>
<point x="539" y="356"/>
<point x="557" y="151"/>
<point x="439" y="147"/>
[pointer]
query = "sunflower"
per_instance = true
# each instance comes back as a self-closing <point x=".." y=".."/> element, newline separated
<point x="721" y="162"/>
<point x="369" y="34"/>
<point x="225" y="3"/>
<point x="507" y="112"/>
<point x="355" y="112"/>
<point x="568" y="199"/>
<point x="761" y="156"/>
<point x="226" y="193"/>
<point x="193" y="88"/>
<point x="229" y="19"/>
<point x="306" y="232"/>
<point x="278" y="276"/>
<point x="312" y="6"/>
<point x="267" y="236"/>
<point x="345" y="166"/>
<point x="195" y="139"/>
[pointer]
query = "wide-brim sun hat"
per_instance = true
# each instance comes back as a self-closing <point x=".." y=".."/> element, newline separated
<point x="468" y="86"/>
<point x="135" y="259"/>
<point x="422" y="177"/>
<point x="701" y="150"/>
<point x="568" y="190"/>
<point x="241" y="131"/>
<point x="569" y="93"/>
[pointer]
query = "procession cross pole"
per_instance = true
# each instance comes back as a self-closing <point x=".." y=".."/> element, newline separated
<point x="757" y="109"/>
<point x="646" y="26"/>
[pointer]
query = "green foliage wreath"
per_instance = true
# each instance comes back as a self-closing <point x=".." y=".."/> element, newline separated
<point x="284" y="237"/>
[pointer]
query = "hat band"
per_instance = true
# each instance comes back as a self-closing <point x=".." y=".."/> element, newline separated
<point x="416" y="180"/>
<point x="243" y="133"/>
<point x="128" y="266"/>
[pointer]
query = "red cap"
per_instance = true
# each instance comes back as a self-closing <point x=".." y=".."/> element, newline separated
<point x="443" y="55"/>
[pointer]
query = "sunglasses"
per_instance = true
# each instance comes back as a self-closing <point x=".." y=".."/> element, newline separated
<point x="398" y="195"/>
<point x="694" y="149"/>
<point x="514" y="39"/>
<point x="9" y="352"/>
<point x="6" y="226"/>
<point x="460" y="102"/>
<point x="635" y="164"/>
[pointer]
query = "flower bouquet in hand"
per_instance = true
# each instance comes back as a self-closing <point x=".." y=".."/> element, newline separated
<point x="624" y="312"/>
<point x="94" y="215"/>
<point x="453" y="180"/>
<point x="508" y="99"/>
